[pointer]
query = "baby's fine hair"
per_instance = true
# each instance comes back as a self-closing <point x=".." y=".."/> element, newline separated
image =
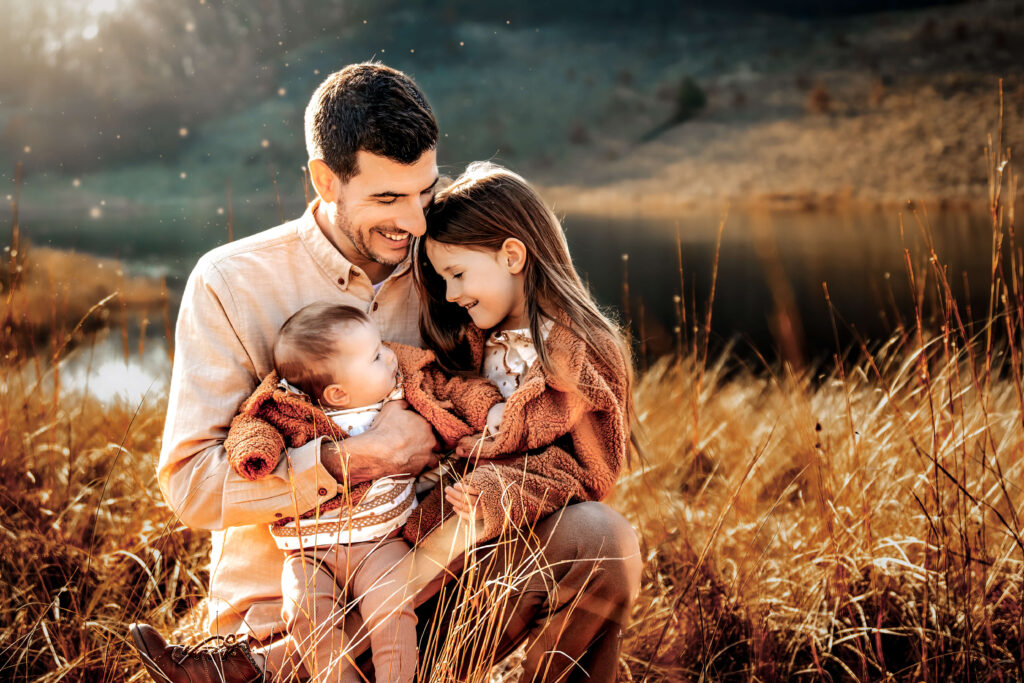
<point x="308" y="338"/>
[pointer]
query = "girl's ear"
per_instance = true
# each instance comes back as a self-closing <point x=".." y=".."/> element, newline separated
<point x="335" y="396"/>
<point x="513" y="255"/>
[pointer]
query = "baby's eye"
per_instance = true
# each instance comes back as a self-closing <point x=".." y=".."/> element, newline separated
<point x="456" y="276"/>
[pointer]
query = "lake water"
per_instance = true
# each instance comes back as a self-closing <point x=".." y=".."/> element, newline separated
<point x="769" y="262"/>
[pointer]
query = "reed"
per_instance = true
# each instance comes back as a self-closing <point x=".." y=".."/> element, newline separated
<point x="855" y="521"/>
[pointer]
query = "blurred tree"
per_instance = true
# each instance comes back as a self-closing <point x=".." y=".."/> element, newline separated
<point x="83" y="89"/>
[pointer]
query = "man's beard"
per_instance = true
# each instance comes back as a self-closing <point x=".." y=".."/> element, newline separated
<point x="358" y="240"/>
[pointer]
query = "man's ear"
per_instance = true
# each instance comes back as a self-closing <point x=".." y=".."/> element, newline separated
<point x="513" y="255"/>
<point x="325" y="181"/>
<point x="335" y="396"/>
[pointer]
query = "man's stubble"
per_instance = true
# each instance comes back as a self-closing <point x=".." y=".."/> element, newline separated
<point x="343" y="225"/>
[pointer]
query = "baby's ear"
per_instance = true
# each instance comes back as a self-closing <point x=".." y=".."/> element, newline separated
<point x="513" y="255"/>
<point x="335" y="396"/>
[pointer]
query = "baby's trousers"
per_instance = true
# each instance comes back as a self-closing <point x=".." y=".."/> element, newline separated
<point x="322" y="586"/>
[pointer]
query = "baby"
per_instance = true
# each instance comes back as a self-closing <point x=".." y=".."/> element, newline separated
<point x="332" y="356"/>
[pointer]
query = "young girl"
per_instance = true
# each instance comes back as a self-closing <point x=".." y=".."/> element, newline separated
<point x="501" y="298"/>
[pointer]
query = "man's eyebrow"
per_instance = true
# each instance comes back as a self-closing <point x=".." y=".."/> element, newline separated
<point x="388" y="194"/>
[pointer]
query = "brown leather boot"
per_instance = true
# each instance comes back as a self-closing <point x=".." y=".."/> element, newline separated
<point x="218" y="659"/>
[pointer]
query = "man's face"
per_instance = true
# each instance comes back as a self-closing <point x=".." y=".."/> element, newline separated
<point x="379" y="210"/>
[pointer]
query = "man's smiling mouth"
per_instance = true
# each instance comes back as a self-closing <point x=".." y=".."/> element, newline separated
<point x="394" y="236"/>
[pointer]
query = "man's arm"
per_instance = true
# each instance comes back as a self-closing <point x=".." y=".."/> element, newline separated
<point x="214" y="371"/>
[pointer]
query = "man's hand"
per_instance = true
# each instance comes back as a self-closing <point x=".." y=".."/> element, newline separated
<point x="400" y="441"/>
<point x="464" y="499"/>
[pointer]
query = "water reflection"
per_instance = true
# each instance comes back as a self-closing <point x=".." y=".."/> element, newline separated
<point x="102" y="369"/>
<point x="771" y="268"/>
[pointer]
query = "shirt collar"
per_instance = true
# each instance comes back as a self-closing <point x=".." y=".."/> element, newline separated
<point x="521" y="334"/>
<point x="331" y="261"/>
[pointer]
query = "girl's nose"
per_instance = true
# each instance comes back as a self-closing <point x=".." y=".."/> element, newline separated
<point x="449" y="292"/>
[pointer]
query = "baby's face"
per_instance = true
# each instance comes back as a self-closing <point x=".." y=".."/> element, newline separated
<point x="367" y="369"/>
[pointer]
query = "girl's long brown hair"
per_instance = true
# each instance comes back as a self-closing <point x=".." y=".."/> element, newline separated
<point x="482" y="208"/>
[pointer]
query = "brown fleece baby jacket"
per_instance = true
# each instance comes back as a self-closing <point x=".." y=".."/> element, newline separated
<point x="272" y="417"/>
<point x="563" y="439"/>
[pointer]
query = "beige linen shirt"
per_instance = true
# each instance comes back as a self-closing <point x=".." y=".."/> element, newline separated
<point x="233" y="305"/>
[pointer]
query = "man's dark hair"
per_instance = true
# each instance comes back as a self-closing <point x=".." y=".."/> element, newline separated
<point x="308" y="338"/>
<point x="369" y="107"/>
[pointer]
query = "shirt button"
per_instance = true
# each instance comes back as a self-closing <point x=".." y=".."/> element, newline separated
<point x="375" y="306"/>
<point x="341" y="281"/>
<point x="322" y="491"/>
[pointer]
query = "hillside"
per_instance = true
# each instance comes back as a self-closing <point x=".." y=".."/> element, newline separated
<point x="805" y="113"/>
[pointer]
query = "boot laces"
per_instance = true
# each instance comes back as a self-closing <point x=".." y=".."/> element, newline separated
<point x="215" y="647"/>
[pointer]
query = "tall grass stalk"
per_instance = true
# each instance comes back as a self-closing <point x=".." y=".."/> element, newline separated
<point x="860" y="521"/>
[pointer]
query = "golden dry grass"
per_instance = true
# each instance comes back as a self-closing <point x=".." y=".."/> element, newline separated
<point x="884" y="544"/>
<point x="877" y="532"/>
<point x="51" y="295"/>
<point x="858" y="523"/>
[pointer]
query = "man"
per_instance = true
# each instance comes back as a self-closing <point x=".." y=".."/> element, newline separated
<point x="371" y="139"/>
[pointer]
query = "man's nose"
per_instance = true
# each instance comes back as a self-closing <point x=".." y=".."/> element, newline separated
<point x="412" y="219"/>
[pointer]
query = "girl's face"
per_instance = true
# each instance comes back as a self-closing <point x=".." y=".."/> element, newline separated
<point x="488" y="284"/>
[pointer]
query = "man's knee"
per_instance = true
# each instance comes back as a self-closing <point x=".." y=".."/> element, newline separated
<point x="592" y="533"/>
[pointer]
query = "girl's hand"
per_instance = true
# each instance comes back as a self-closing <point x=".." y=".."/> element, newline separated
<point x="470" y="445"/>
<point x="464" y="498"/>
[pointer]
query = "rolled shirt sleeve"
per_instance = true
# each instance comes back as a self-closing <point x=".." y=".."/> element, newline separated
<point x="213" y="373"/>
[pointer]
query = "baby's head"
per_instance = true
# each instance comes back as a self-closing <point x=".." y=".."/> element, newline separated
<point x="334" y="353"/>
